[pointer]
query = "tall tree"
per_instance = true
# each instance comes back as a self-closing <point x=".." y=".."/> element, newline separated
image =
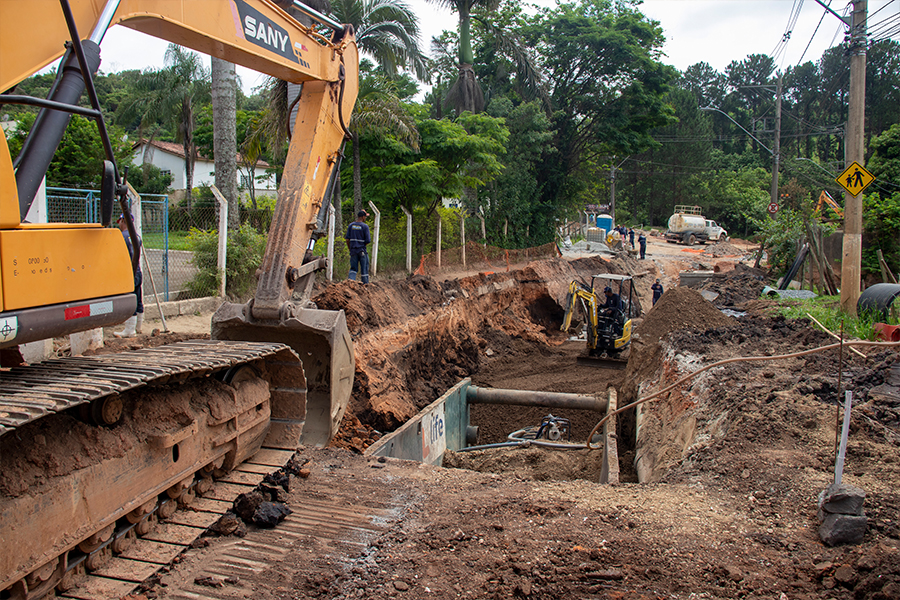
<point x="479" y="22"/>
<point x="224" y="103"/>
<point x="378" y="109"/>
<point x="707" y="84"/>
<point x="171" y="96"/>
<point x="608" y="86"/>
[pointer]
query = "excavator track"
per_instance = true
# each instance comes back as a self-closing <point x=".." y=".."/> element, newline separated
<point x="31" y="392"/>
<point x="131" y="558"/>
<point x="92" y="448"/>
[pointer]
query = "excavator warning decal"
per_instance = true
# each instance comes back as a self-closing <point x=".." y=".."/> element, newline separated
<point x="9" y="327"/>
<point x="258" y="29"/>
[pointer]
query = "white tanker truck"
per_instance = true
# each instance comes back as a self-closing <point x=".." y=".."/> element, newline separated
<point x="689" y="226"/>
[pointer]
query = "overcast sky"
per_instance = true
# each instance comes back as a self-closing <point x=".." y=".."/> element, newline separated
<point x="712" y="31"/>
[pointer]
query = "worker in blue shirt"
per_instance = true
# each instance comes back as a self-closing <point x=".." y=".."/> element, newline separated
<point x="657" y="291"/>
<point x="612" y="303"/>
<point x="358" y="237"/>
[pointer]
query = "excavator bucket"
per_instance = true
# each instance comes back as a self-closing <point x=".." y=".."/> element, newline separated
<point x="322" y="341"/>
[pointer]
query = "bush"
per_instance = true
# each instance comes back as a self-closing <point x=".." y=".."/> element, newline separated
<point x="245" y="249"/>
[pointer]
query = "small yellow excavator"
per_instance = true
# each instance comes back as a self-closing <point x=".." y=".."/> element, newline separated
<point x="825" y="198"/>
<point x="607" y="328"/>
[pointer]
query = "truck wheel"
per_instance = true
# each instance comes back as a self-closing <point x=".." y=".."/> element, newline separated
<point x="691" y="239"/>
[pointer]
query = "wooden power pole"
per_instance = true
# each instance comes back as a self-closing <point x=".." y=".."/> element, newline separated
<point x="854" y="150"/>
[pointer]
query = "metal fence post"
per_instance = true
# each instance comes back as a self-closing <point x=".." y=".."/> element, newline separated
<point x="462" y="235"/>
<point x="408" y="239"/>
<point x="329" y="270"/>
<point x="376" y="234"/>
<point x="223" y="236"/>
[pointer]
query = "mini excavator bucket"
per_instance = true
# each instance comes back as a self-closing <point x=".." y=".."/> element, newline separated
<point x="321" y="340"/>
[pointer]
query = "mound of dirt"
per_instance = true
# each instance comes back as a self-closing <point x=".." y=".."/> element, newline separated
<point x="538" y="464"/>
<point x="722" y="248"/>
<point x="679" y="308"/>
<point x="739" y="286"/>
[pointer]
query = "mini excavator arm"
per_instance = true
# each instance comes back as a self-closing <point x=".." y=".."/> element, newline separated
<point x="581" y="294"/>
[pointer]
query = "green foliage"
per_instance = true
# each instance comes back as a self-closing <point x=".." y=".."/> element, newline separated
<point x="780" y="236"/>
<point x="607" y="86"/>
<point x="827" y="311"/>
<point x="512" y="202"/>
<point x="885" y="161"/>
<point x="881" y="222"/>
<point x="245" y="248"/>
<point x="149" y="179"/>
<point x="78" y="162"/>
<point x="453" y="156"/>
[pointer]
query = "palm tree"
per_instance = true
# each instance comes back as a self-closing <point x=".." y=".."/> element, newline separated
<point x="465" y="94"/>
<point x="169" y="96"/>
<point x="386" y="30"/>
<point x="224" y="102"/>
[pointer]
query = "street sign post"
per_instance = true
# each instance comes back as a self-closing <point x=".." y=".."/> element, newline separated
<point x="855" y="179"/>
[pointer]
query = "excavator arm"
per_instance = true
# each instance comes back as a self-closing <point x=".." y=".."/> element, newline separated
<point x="825" y="198"/>
<point x="581" y="295"/>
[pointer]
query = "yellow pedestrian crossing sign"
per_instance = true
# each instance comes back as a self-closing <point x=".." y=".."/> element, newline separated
<point x="855" y="179"/>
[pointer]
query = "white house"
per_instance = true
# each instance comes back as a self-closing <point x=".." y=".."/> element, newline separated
<point x="169" y="158"/>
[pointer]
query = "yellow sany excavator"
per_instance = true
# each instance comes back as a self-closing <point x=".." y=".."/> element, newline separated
<point x="92" y="447"/>
<point x="607" y="328"/>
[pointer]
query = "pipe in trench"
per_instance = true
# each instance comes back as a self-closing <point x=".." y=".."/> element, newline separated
<point x="480" y="395"/>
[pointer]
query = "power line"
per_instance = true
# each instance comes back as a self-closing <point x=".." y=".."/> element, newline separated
<point x="781" y="46"/>
<point x="822" y="18"/>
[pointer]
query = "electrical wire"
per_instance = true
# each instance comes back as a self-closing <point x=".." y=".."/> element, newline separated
<point x="809" y="43"/>
<point x="781" y="46"/>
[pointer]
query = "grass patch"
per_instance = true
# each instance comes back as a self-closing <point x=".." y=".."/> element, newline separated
<point x="177" y="240"/>
<point x="827" y="311"/>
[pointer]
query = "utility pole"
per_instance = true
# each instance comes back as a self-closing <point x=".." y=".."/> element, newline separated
<point x="612" y="192"/>
<point x="775" y="153"/>
<point x="854" y="150"/>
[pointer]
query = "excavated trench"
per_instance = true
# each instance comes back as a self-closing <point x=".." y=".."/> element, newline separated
<point x="417" y="338"/>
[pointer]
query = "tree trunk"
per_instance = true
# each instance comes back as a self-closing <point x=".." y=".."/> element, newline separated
<point x="187" y="143"/>
<point x="224" y="102"/>
<point x="357" y="177"/>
